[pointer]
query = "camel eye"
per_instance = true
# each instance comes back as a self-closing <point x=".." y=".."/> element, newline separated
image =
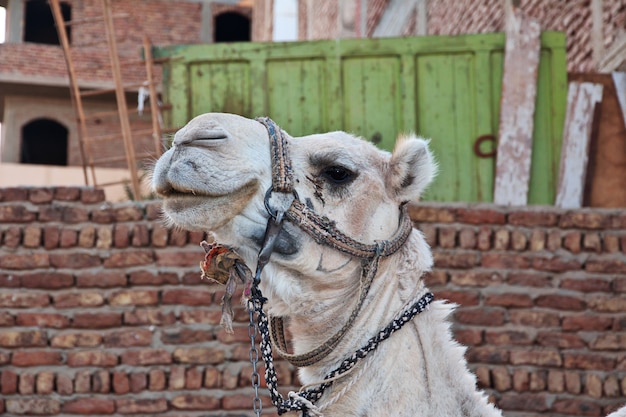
<point x="338" y="174"/>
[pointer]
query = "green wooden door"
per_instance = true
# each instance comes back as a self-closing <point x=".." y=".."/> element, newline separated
<point x="444" y="88"/>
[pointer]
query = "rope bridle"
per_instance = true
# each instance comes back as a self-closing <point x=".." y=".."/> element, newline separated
<point x="323" y="231"/>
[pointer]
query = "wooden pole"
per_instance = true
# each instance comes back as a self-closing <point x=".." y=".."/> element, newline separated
<point x="154" y="103"/>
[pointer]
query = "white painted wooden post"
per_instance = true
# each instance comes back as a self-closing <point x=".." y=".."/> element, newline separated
<point x="619" y="80"/>
<point x="517" y="109"/>
<point x="581" y="102"/>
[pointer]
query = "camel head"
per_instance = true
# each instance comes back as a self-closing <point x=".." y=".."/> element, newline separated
<point x="216" y="175"/>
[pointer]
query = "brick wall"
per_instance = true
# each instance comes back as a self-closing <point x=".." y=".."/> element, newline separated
<point x="102" y="310"/>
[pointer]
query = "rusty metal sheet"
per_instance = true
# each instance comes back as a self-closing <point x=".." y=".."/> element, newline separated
<point x="581" y="102"/>
<point x="517" y="109"/>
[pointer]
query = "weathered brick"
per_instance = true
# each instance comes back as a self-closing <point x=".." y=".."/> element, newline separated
<point x="134" y="298"/>
<point x="72" y="340"/>
<point x="16" y="214"/>
<point x="87" y="237"/>
<point x="609" y="341"/>
<point x="178" y="237"/>
<point x="154" y="210"/>
<point x="152" y="278"/>
<point x="82" y="382"/>
<point x="32" y="237"/>
<point x="455" y="259"/>
<point x="560" y="340"/>
<point x="121" y="235"/>
<point x="138" y="406"/>
<point x="181" y="336"/>
<point x="585" y="283"/>
<point x="536" y="357"/>
<point x="26" y="385"/>
<point x="611" y="243"/>
<point x="51" y="213"/>
<point x="101" y="381"/>
<point x="8" y="382"/>
<point x="12" y="237"/>
<point x="77" y="299"/>
<point x="212" y="378"/>
<point x="587" y="322"/>
<point x="588" y="361"/>
<point x="177" y="378"/>
<point x="526" y="402"/>
<point x="128" y="212"/>
<point x="195" y="402"/>
<point x="121" y="383"/>
<point x="585" y="220"/>
<point x="44" y="384"/>
<point x="508" y="337"/>
<point x="613" y="264"/>
<point x="6" y="319"/>
<point x="170" y="257"/>
<point x="23" y="300"/>
<point x="529" y="279"/>
<point x="89" y="195"/>
<point x="508" y="300"/>
<point x="429" y="214"/>
<point x="537" y="380"/>
<point x="519" y="240"/>
<point x="193" y="378"/>
<point x="74" y="260"/>
<point x="47" y="280"/>
<point x="129" y="258"/>
<point x="68" y="239"/>
<point x="159" y="236"/>
<point x="144" y="357"/>
<point x="431" y="278"/>
<point x="51" y="237"/>
<point x="40" y="195"/>
<point x="521" y="380"/>
<point x="593" y="385"/>
<point x="447" y="237"/>
<point x="37" y="406"/>
<point x="85" y="406"/>
<point x="91" y="358"/>
<point x="156" y="380"/>
<point x="560" y="302"/>
<point x="501" y="378"/>
<point x="64" y="384"/>
<point x="429" y="231"/>
<point x="138" y="381"/>
<point x="103" y="215"/>
<point x="556" y="381"/>
<point x="468" y="337"/>
<point x="66" y="193"/>
<point x="25" y="261"/>
<point x="200" y="316"/>
<point x="28" y="358"/>
<point x="464" y="298"/>
<point x="190" y="297"/>
<point x="505" y="260"/>
<point x="475" y="278"/>
<point x="483" y="377"/>
<point x="104" y="238"/>
<point x="484" y="238"/>
<point x="199" y="356"/>
<point x="97" y="320"/>
<point x="141" y="235"/>
<point x="24" y="338"/>
<point x="537" y="241"/>
<point x="103" y="279"/>
<point x="14" y="194"/>
<point x="609" y="304"/>
<point x="480" y="216"/>
<point x="480" y="316"/>
<point x="128" y="338"/>
<point x="533" y="218"/>
<point x="572" y="241"/>
<point x="74" y="215"/>
<point x="10" y="281"/>
<point x="554" y="240"/>
<point x="150" y="316"/>
<point x="556" y="263"/>
<point x="576" y="407"/>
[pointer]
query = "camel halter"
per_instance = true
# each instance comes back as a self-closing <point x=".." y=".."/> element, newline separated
<point x="323" y="231"/>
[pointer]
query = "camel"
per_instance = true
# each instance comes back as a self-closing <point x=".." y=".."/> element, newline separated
<point x="221" y="175"/>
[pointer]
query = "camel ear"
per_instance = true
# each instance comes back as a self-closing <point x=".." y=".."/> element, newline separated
<point x="412" y="167"/>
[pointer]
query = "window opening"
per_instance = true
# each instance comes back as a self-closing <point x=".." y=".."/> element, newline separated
<point x="39" y="23"/>
<point x="232" y="27"/>
<point x="44" y="142"/>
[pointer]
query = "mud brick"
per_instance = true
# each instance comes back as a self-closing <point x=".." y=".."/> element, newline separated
<point x="178" y="237"/>
<point x="195" y="402"/>
<point x="32" y="237"/>
<point x="24" y="338"/>
<point x="542" y="357"/>
<point x="212" y="378"/>
<point x="560" y="340"/>
<point x="585" y="283"/>
<point x="97" y="320"/>
<point x="36" y="406"/>
<point x="128" y="338"/>
<point x="177" y="378"/>
<point x="156" y="380"/>
<point x="47" y="280"/>
<point x="78" y="299"/>
<point x="25" y="262"/>
<point x="592" y="242"/>
<point x="64" y="384"/>
<point x="611" y="243"/>
<point x="72" y="340"/>
<point x="139" y="406"/>
<point x="187" y="297"/>
<point x="128" y="258"/>
<point x="529" y="279"/>
<point x="178" y="258"/>
<point x="429" y="214"/>
<point x="121" y="236"/>
<point x="193" y="378"/>
<point x="92" y="195"/>
<point x="199" y="356"/>
<point x="134" y="298"/>
<point x="481" y="316"/>
<point x="87" y="237"/>
<point x="587" y="323"/>
<point x="200" y="316"/>
<point x="51" y="237"/>
<point x="556" y="263"/>
<point x="537" y="240"/>
<point x="588" y="361"/>
<point x="145" y="357"/>
<point x="483" y="377"/>
<point x="6" y="320"/>
<point x="464" y="298"/>
<point x="150" y="317"/>
<point x="609" y="341"/>
<point x="141" y="235"/>
<point x="28" y="358"/>
<point x="26" y="384"/>
<point x="121" y="383"/>
<point x="52" y="213"/>
<point x="593" y="385"/>
<point x="608" y="304"/>
<point x="15" y="194"/>
<point x="484" y="238"/>
<point x="537" y="381"/>
<point x="152" y="278"/>
<point x="527" y="402"/>
<point x="16" y="214"/>
<point x="554" y="240"/>
<point x="611" y="386"/>
<point x="456" y="259"/>
<point x="519" y="240"/>
<point x="238" y="336"/>
<point x="138" y="381"/>
<point x="104" y="279"/>
<point x="505" y="261"/>
<point x="91" y="358"/>
<point x="128" y="212"/>
<point x="101" y="382"/>
<point x="68" y="239"/>
<point x="44" y="384"/>
<point x="87" y="406"/>
<point x="585" y="220"/>
<point x="612" y="264"/>
<point x="556" y="381"/>
<point x="521" y="380"/>
<point x="74" y="215"/>
<point x="103" y="215"/>
<point x="236" y="402"/>
<point x="10" y="281"/>
<point x="508" y="337"/>
<point x="480" y="216"/>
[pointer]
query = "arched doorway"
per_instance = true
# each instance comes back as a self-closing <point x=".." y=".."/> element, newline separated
<point x="232" y="27"/>
<point x="44" y="141"/>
